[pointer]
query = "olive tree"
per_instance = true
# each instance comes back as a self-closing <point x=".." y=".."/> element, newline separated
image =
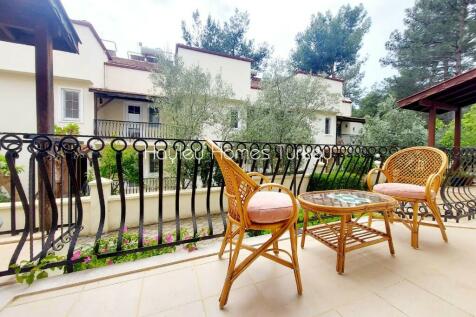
<point x="392" y="126"/>
<point x="191" y="99"/>
<point x="287" y="106"/>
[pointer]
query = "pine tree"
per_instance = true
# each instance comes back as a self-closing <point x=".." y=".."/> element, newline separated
<point x="229" y="38"/>
<point x="330" y="45"/>
<point x="437" y="43"/>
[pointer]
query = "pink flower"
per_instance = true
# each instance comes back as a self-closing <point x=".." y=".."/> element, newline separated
<point x="169" y="238"/>
<point x="87" y="259"/>
<point x="126" y="241"/>
<point x="76" y="255"/>
<point x="108" y="261"/>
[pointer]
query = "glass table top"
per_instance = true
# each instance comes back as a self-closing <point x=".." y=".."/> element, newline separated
<point x="343" y="198"/>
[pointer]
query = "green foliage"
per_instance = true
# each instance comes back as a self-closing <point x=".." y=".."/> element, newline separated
<point x="69" y="129"/>
<point x="392" y="126"/>
<point x="437" y="43"/>
<point x="4" y="166"/>
<point x="286" y="106"/>
<point x="38" y="269"/>
<point x="193" y="98"/>
<point x="368" y="105"/>
<point x="130" y="164"/>
<point x="334" y="180"/>
<point x="4" y="197"/>
<point x="313" y="221"/>
<point x="229" y="38"/>
<point x="330" y="45"/>
<point x="468" y="130"/>
<point x="90" y="260"/>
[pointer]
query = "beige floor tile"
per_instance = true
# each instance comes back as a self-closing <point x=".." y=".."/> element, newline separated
<point x="369" y="306"/>
<point x="47" y="295"/>
<point x="211" y="277"/>
<point x="113" y="300"/>
<point x="456" y="287"/>
<point x="244" y="301"/>
<point x="280" y="294"/>
<point x="168" y="290"/>
<point x="55" y="306"/>
<point x="415" y="301"/>
<point x="263" y="269"/>
<point x="194" y="309"/>
<point x="114" y="280"/>
<point x="330" y="313"/>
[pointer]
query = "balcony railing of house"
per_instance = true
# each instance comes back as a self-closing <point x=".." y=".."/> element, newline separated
<point x="150" y="184"/>
<point x="347" y="139"/>
<point x="47" y="204"/>
<point x="133" y="129"/>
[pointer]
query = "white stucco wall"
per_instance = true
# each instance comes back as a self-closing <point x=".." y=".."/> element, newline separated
<point x="353" y="128"/>
<point x="129" y="80"/>
<point x="73" y="71"/>
<point x="87" y="65"/>
<point x="236" y="73"/>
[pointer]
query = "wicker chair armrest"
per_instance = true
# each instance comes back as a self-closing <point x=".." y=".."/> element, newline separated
<point x="261" y="176"/>
<point x="432" y="186"/>
<point x="369" y="176"/>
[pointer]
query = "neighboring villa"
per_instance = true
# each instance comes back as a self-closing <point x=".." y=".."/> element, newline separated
<point x="111" y="96"/>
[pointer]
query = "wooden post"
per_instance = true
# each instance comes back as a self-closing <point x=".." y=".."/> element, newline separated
<point x="95" y="114"/>
<point x="44" y="80"/>
<point x="44" y="106"/>
<point x="457" y="137"/>
<point x="431" y="126"/>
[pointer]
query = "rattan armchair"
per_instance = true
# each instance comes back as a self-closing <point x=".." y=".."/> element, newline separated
<point x="252" y="206"/>
<point x="414" y="175"/>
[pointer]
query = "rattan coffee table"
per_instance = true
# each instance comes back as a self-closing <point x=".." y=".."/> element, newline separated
<point x="348" y="234"/>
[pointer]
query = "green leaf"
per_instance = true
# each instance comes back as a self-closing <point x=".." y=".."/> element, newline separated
<point x="42" y="274"/>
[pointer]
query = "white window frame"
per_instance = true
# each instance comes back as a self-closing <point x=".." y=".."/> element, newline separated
<point x="330" y="126"/>
<point x="128" y="103"/>
<point x="237" y="119"/>
<point x="80" y="104"/>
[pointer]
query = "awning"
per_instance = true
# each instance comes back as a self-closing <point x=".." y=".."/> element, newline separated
<point x="350" y="119"/>
<point x="19" y="23"/>
<point x="107" y="93"/>
<point x="449" y="95"/>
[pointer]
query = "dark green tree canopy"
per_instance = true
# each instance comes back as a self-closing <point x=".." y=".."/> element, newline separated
<point x="229" y="38"/>
<point x="437" y="43"/>
<point x="330" y="44"/>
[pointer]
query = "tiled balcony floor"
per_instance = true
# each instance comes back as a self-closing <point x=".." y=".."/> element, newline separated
<point x="437" y="280"/>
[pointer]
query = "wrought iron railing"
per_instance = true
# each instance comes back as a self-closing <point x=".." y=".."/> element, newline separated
<point x="133" y="129"/>
<point x="49" y="203"/>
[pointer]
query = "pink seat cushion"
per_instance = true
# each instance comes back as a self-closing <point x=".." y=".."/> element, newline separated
<point x="401" y="190"/>
<point x="269" y="207"/>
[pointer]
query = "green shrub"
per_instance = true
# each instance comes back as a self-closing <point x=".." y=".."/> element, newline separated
<point x="356" y="164"/>
<point x="333" y="180"/>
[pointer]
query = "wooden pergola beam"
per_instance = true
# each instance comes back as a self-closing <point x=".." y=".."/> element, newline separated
<point x="437" y="105"/>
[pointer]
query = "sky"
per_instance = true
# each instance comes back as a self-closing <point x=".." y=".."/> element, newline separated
<point x="157" y="23"/>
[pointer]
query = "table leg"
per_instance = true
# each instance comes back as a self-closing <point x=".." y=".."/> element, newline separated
<point x="386" y="217"/>
<point x="344" y="220"/>
<point x="304" y="228"/>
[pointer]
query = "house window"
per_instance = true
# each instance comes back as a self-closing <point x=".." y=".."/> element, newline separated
<point x="70" y="104"/>
<point x="153" y="163"/>
<point x="234" y="118"/>
<point x="327" y="127"/>
<point x="154" y="115"/>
